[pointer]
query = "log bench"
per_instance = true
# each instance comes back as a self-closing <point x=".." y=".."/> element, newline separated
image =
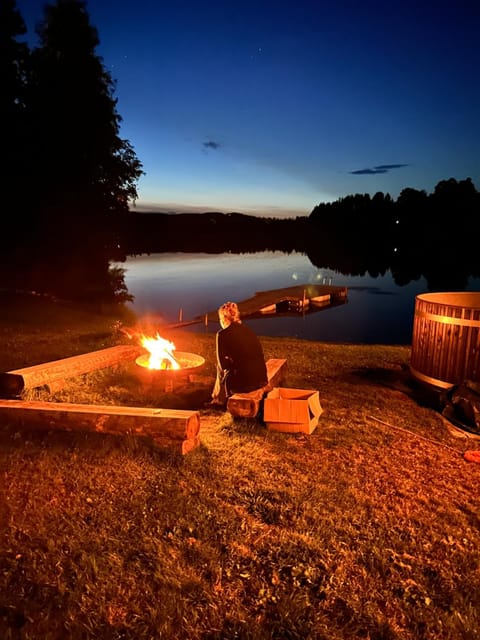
<point x="53" y="374"/>
<point x="177" y="429"/>
<point x="247" y="405"/>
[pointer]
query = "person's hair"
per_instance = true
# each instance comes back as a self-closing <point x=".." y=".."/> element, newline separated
<point x="229" y="313"/>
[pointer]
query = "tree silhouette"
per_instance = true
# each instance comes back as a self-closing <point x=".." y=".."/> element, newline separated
<point x="78" y="175"/>
<point x="86" y="174"/>
<point x="432" y="235"/>
<point x="13" y="74"/>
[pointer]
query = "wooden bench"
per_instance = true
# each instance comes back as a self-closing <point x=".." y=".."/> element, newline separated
<point x="53" y="374"/>
<point x="247" y="405"/>
<point x="171" y="428"/>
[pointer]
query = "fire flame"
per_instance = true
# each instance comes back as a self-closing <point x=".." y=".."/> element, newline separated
<point x="161" y="353"/>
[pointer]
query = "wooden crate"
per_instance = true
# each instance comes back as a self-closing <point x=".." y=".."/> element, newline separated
<point x="292" y="410"/>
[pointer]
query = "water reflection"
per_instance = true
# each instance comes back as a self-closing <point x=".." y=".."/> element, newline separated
<point x="168" y="285"/>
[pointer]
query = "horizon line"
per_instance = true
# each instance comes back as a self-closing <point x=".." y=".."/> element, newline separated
<point x="261" y="212"/>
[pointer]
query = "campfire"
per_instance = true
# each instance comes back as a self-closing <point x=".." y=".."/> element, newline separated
<point x="160" y="354"/>
<point x="163" y="363"/>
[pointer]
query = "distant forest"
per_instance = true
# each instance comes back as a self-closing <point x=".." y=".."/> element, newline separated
<point x="432" y="235"/>
<point x="69" y="181"/>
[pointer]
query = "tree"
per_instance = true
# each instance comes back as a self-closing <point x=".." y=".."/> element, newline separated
<point x="71" y="176"/>
<point x="13" y="74"/>
<point x="86" y="174"/>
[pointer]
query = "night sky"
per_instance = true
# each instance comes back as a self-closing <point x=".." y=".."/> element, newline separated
<point x="271" y="107"/>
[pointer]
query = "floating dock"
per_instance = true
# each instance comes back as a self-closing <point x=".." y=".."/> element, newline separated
<point x="298" y="299"/>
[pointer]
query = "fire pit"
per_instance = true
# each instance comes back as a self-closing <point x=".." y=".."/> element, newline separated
<point x="167" y="376"/>
<point x="162" y="365"/>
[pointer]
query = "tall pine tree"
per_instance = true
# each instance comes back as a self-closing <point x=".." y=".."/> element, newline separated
<point x="82" y="175"/>
<point x="13" y="130"/>
<point x="86" y="173"/>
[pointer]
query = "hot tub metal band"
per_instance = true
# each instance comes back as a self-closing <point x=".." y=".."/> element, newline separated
<point x="445" y="320"/>
<point x="448" y="319"/>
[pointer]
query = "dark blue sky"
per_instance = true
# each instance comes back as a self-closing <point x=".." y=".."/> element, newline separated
<point x="271" y="107"/>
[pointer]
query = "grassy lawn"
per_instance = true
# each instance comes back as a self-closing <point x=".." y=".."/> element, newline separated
<point x="367" y="529"/>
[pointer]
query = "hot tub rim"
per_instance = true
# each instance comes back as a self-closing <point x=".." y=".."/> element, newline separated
<point x="443" y="297"/>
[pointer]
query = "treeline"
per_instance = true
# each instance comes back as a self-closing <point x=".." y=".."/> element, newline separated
<point x="68" y="176"/>
<point x="210" y="232"/>
<point x="432" y="235"/>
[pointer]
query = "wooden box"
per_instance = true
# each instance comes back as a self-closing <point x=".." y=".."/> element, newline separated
<point x="292" y="410"/>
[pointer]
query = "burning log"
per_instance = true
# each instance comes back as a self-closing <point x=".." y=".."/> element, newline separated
<point x="166" y="427"/>
<point x="52" y="374"/>
<point x="247" y="405"/>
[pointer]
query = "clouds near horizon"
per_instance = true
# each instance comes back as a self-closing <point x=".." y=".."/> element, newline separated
<point x="381" y="168"/>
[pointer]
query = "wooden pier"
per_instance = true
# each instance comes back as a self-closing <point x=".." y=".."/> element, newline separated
<point x="305" y="298"/>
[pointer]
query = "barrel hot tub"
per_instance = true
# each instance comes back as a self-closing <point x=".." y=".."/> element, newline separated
<point x="446" y="338"/>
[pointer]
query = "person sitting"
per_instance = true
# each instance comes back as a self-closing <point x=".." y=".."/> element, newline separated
<point x="240" y="361"/>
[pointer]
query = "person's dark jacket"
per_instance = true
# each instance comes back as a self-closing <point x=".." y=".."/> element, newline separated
<point x="240" y="353"/>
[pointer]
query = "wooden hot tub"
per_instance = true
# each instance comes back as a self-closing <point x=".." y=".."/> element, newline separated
<point x="446" y="338"/>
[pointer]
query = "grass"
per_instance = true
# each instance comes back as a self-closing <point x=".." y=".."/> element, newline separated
<point x="367" y="529"/>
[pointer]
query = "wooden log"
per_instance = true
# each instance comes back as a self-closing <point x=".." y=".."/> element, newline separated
<point x="166" y="427"/>
<point x="276" y="371"/>
<point x="247" y="405"/>
<point x="51" y="374"/>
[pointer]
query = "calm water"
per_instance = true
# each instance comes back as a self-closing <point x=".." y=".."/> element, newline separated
<point x="169" y="284"/>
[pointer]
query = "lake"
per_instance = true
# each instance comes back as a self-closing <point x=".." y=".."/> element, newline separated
<point x="187" y="285"/>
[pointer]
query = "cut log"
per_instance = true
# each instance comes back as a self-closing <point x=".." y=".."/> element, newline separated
<point x="166" y="427"/>
<point x="52" y="374"/>
<point x="247" y="405"/>
<point x="276" y="371"/>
